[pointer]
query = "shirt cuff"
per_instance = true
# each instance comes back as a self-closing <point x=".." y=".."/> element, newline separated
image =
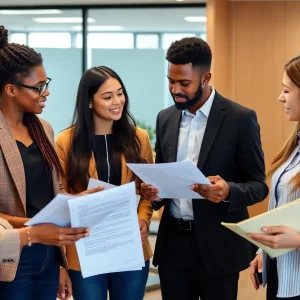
<point x="226" y="200"/>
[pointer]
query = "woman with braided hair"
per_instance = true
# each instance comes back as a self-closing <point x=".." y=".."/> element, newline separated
<point x="30" y="174"/>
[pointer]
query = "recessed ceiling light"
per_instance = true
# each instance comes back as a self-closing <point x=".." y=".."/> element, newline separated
<point x="99" y="28"/>
<point x="179" y="0"/>
<point x="31" y="12"/>
<point x="62" y="20"/>
<point x="195" y="19"/>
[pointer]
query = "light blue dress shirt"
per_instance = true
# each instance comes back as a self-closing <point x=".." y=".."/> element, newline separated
<point x="191" y="132"/>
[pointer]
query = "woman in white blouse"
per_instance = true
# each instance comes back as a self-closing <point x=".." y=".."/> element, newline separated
<point x="283" y="274"/>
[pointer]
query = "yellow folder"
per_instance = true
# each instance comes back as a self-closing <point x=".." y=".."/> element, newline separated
<point x="285" y="215"/>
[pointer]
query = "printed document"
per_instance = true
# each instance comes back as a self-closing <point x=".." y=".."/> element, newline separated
<point x="94" y="183"/>
<point x="114" y="243"/>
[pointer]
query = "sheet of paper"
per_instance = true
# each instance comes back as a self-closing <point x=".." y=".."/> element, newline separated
<point x="174" y="180"/>
<point x="94" y="183"/>
<point x="115" y="242"/>
<point x="56" y="212"/>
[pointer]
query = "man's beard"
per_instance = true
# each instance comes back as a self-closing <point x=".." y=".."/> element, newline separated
<point x="189" y="102"/>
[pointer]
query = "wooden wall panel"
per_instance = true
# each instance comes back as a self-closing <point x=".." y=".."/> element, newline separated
<point x="218" y="38"/>
<point x="291" y="42"/>
<point x="262" y="37"/>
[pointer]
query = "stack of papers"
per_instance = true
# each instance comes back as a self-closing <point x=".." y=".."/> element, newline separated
<point x="114" y="244"/>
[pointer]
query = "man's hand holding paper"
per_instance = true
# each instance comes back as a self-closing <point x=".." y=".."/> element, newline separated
<point x="169" y="180"/>
<point x="149" y="192"/>
<point x="216" y="192"/>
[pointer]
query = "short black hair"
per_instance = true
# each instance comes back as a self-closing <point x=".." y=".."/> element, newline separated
<point x="190" y="50"/>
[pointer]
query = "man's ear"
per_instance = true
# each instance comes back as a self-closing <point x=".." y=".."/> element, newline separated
<point x="206" y="78"/>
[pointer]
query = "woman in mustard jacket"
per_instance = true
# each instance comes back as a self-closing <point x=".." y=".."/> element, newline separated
<point x="102" y="139"/>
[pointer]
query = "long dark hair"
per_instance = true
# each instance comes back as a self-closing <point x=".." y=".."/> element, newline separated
<point x="16" y="62"/>
<point x="83" y="142"/>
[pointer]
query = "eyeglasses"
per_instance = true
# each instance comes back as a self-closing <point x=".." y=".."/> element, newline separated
<point x="41" y="89"/>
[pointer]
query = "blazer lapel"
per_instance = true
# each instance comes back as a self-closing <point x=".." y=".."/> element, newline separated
<point x="173" y="134"/>
<point x="13" y="159"/>
<point x="215" y="119"/>
<point x="126" y="173"/>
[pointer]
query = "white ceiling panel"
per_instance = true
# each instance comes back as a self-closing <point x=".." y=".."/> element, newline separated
<point x="90" y="2"/>
<point x="130" y="19"/>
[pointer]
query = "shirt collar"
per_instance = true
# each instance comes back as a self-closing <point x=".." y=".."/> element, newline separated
<point x="206" y="107"/>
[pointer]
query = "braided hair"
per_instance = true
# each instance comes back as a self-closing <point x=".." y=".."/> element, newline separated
<point x="16" y="62"/>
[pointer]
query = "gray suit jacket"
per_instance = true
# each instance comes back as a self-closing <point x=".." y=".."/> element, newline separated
<point x="9" y="243"/>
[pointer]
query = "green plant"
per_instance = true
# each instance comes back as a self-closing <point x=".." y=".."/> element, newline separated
<point x="150" y="130"/>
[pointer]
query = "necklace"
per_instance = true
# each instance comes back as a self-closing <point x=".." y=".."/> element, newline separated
<point x="107" y="159"/>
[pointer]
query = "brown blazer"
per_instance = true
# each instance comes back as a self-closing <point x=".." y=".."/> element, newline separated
<point x="9" y="242"/>
<point x="13" y="185"/>
<point x="63" y="143"/>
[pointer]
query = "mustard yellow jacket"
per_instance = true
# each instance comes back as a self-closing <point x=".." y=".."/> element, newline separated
<point x="63" y="144"/>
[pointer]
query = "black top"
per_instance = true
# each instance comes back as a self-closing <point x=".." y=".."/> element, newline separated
<point x="108" y="159"/>
<point x="39" y="186"/>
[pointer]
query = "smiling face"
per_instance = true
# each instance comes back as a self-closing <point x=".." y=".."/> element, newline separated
<point x="29" y="100"/>
<point x="108" y="102"/>
<point x="290" y="97"/>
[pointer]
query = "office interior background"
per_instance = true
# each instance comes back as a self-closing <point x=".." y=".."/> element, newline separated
<point x="132" y="41"/>
<point x="251" y="41"/>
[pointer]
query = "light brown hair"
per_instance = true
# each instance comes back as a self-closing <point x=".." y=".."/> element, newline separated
<point x="292" y="69"/>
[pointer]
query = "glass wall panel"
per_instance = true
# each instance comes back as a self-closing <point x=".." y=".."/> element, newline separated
<point x="49" y="40"/>
<point x="147" y="41"/>
<point x="114" y="40"/>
